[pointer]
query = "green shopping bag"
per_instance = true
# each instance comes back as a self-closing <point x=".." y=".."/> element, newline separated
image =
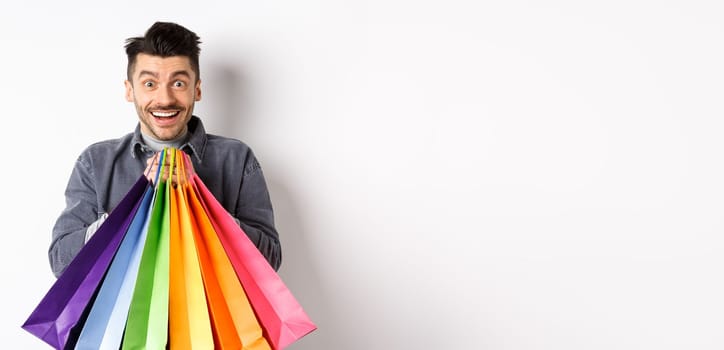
<point x="147" y="324"/>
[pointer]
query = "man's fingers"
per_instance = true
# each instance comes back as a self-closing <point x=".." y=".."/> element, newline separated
<point x="152" y="169"/>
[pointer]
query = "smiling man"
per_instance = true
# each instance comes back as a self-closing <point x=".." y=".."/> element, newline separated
<point x="163" y="82"/>
<point x="164" y="90"/>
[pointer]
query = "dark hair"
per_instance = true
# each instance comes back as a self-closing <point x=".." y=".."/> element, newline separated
<point x="164" y="39"/>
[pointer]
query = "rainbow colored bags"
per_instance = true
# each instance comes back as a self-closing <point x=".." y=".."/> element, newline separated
<point x="169" y="266"/>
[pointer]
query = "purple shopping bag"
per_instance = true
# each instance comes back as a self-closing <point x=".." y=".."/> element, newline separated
<point x="63" y="306"/>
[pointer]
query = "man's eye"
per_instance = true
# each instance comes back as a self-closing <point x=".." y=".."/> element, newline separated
<point x="178" y="83"/>
<point x="148" y="84"/>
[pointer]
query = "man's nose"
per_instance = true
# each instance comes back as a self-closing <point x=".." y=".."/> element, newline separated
<point x="165" y="96"/>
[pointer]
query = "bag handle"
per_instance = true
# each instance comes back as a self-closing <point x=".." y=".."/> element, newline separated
<point x="189" y="165"/>
<point x="161" y="165"/>
<point x="186" y="165"/>
<point x="180" y="169"/>
<point x="172" y="164"/>
<point x="179" y="163"/>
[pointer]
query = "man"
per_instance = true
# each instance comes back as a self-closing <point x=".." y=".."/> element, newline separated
<point x="163" y="84"/>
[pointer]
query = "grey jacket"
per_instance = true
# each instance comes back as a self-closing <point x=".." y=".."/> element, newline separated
<point x="105" y="171"/>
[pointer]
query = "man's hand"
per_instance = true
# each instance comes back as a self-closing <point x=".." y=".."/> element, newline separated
<point x="152" y="165"/>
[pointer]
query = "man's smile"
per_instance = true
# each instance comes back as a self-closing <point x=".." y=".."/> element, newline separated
<point x="159" y="114"/>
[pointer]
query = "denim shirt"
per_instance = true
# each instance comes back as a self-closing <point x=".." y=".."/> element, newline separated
<point x="105" y="172"/>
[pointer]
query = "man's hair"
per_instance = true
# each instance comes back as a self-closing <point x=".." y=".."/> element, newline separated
<point x="164" y="39"/>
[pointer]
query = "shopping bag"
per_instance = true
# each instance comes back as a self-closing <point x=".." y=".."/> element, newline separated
<point x="184" y="275"/>
<point x="282" y="318"/>
<point x="189" y="324"/>
<point x="147" y="324"/>
<point x="65" y="303"/>
<point x="234" y="322"/>
<point x="103" y="329"/>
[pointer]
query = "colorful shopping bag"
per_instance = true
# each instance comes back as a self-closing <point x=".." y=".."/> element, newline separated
<point x="189" y="324"/>
<point x="283" y="319"/>
<point x="234" y="322"/>
<point x="104" y="326"/>
<point x="184" y="276"/>
<point x="147" y="324"/>
<point x="65" y="303"/>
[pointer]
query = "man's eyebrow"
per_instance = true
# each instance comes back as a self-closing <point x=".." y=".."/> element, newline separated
<point x="146" y="72"/>
<point x="181" y="72"/>
<point x="174" y="74"/>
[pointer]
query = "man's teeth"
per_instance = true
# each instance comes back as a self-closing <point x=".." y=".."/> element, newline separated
<point x="163" y="114"/>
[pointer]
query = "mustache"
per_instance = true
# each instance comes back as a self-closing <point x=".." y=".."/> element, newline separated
<point x="167" y="107"/>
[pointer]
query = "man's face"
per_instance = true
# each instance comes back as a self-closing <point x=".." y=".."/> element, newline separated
<point x="164" y="90"/>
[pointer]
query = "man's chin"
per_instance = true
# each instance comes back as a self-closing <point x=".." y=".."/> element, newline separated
<point x="164" y="132"/>
<point x="170" y="134"/>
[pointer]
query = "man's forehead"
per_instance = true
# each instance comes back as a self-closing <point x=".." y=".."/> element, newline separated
<point x="157" y="65"/>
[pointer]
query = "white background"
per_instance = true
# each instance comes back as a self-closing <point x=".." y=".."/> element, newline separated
<point x="446" y="175"/>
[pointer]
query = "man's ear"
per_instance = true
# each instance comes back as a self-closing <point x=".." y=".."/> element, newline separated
<point x="129" y="91"/>
<point x="198" y="90"/>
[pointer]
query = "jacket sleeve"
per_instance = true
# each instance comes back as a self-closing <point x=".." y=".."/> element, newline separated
<point x="80" y="211"/>
<point x="255" y="215"/>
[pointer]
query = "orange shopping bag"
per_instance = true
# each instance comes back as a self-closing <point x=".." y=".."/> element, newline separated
<point x="189" y="323"/>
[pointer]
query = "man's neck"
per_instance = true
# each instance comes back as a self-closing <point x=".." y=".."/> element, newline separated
<point x="158" y="145"/>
